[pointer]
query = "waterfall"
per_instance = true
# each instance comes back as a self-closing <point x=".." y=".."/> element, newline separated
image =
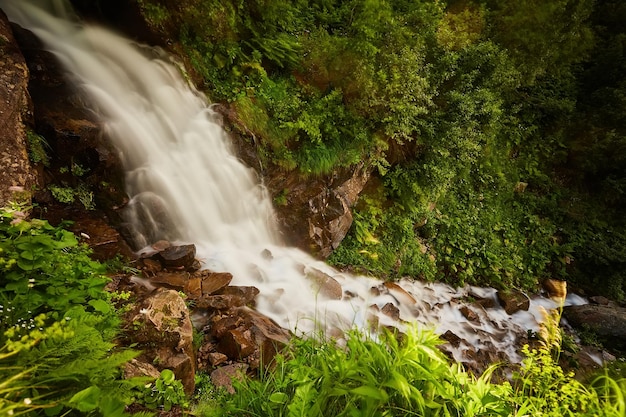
<point x="186" y="185"/>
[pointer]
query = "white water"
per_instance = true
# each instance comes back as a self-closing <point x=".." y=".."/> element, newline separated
<point x="186" y="185"/>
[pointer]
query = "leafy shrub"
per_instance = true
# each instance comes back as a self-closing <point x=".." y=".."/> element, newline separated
<point x="58" y="324"/>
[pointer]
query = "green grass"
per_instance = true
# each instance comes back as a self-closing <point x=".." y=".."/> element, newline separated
<point x="408" y="375"/>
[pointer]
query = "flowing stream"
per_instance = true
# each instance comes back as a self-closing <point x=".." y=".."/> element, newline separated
<point x="186" y="185"/>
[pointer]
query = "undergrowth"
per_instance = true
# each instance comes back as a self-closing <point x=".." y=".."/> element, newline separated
<point x="408" y="376"/>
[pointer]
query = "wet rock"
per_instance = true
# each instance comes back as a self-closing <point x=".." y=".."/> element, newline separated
<point x="247" y="293"/>
<point x="513" y="301"/>
<point x="15" y="111"/>
<point x="220" y="302"/>
<point x="324" y="284"/>
<point x="150" y="267"/>
<point x="451" y="338"/>
<point x="400" y="293"/>
<point x="391" y="311"/>
<point x="556" y="289"/>
<point x="213" y="282"/>
<point x="178" y="257"/>
<point x="161" y="245"/>
<point x="94" y="230"/>
<point x="223" y="377"/>
<point x="608" y="322"/>
<point x="163" y="331"/>
<point x="73" y="133"/>
<point x="174" y="280"/>
<point x="469" y="314"/>
<point x="600" y="300"/>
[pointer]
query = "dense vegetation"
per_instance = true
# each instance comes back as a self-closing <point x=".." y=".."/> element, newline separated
<point x="495" y="128"/>
<point x="410" y="378"/>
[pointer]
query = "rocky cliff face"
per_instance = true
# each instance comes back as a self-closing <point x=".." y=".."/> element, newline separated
<point x="15" y="113"/>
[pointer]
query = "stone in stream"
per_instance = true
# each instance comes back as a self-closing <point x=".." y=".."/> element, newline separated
<point x="556" y="289"/>
<point x="178" y="257"/>
<point x="214" y="282"/>
<point x="324" y="284"/>
<point x="513" y="300"/>
<point x="607" y="321"/>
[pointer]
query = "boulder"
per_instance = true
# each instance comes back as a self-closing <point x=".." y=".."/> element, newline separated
<point x="213" y="282"/>
<point x="556" y="289"/>
<point x="469" y="314"/>
<point x="246" y="293"/>
<point x="607" y="321"/>
<point x="324" y="284"/>
<point x="223" y="377"/>
<point x="15" y="111"/>
<point x="162" y="329"/>
<point x="513" y="300"/>
<point x="220" y="302"/>
<point x="178" y="257"/>
<point x="174" y="280"/>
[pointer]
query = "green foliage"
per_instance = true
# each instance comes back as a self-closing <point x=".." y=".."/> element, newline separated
<point x="44" y="269"/>
<point x="455" y="103"/>
<point x="68" y="195"/>
<point x="58" y="324"/>
<point x="407" y="377"/>
<point x="166" y="391"/>
<point x="37" y="146"/>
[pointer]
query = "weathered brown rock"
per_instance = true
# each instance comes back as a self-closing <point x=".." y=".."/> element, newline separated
<point x="269" y="337"/>
<point x="391" y="311"/>
<point x="223" y="377"/>
<point x="163" y="330"/>
<point x="217" y="358"/>
<point x="136" y="367"/>
<point x="469" y="314"/>
<point x="150" y="267"/>
<point x="175" y="280"/>
<point x="324" y="284"/>
<point x="193" y="287"/>
<point x="607" y="321"/>
<point x="177" y="256"/>
<point x="600" y="300"/>
<point x="556" y="289"/>
<point x="220" y="302"/>
<point x="400" y="293"/>
<point x="237" y="343"/>
<point x="222" y="324"/>
<point x="15" y="111"/>
<point x="213" y="282"/>
<point x="513" y="301"/>
<point x="246" y="293"/>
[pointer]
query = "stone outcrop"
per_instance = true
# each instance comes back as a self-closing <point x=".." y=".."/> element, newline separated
<point x="162" y="329"/>
<point x="314" y="212"/>
<point x="607" y="321"/>
<point x="15" y="111"/>
<point x="80" y="157"/>
<point x="556" y="289"/>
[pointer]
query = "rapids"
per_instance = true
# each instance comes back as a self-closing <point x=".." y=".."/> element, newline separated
<point x="186" y="185"/>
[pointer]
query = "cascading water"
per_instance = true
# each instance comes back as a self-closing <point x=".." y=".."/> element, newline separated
<point x="186" y="185"/>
